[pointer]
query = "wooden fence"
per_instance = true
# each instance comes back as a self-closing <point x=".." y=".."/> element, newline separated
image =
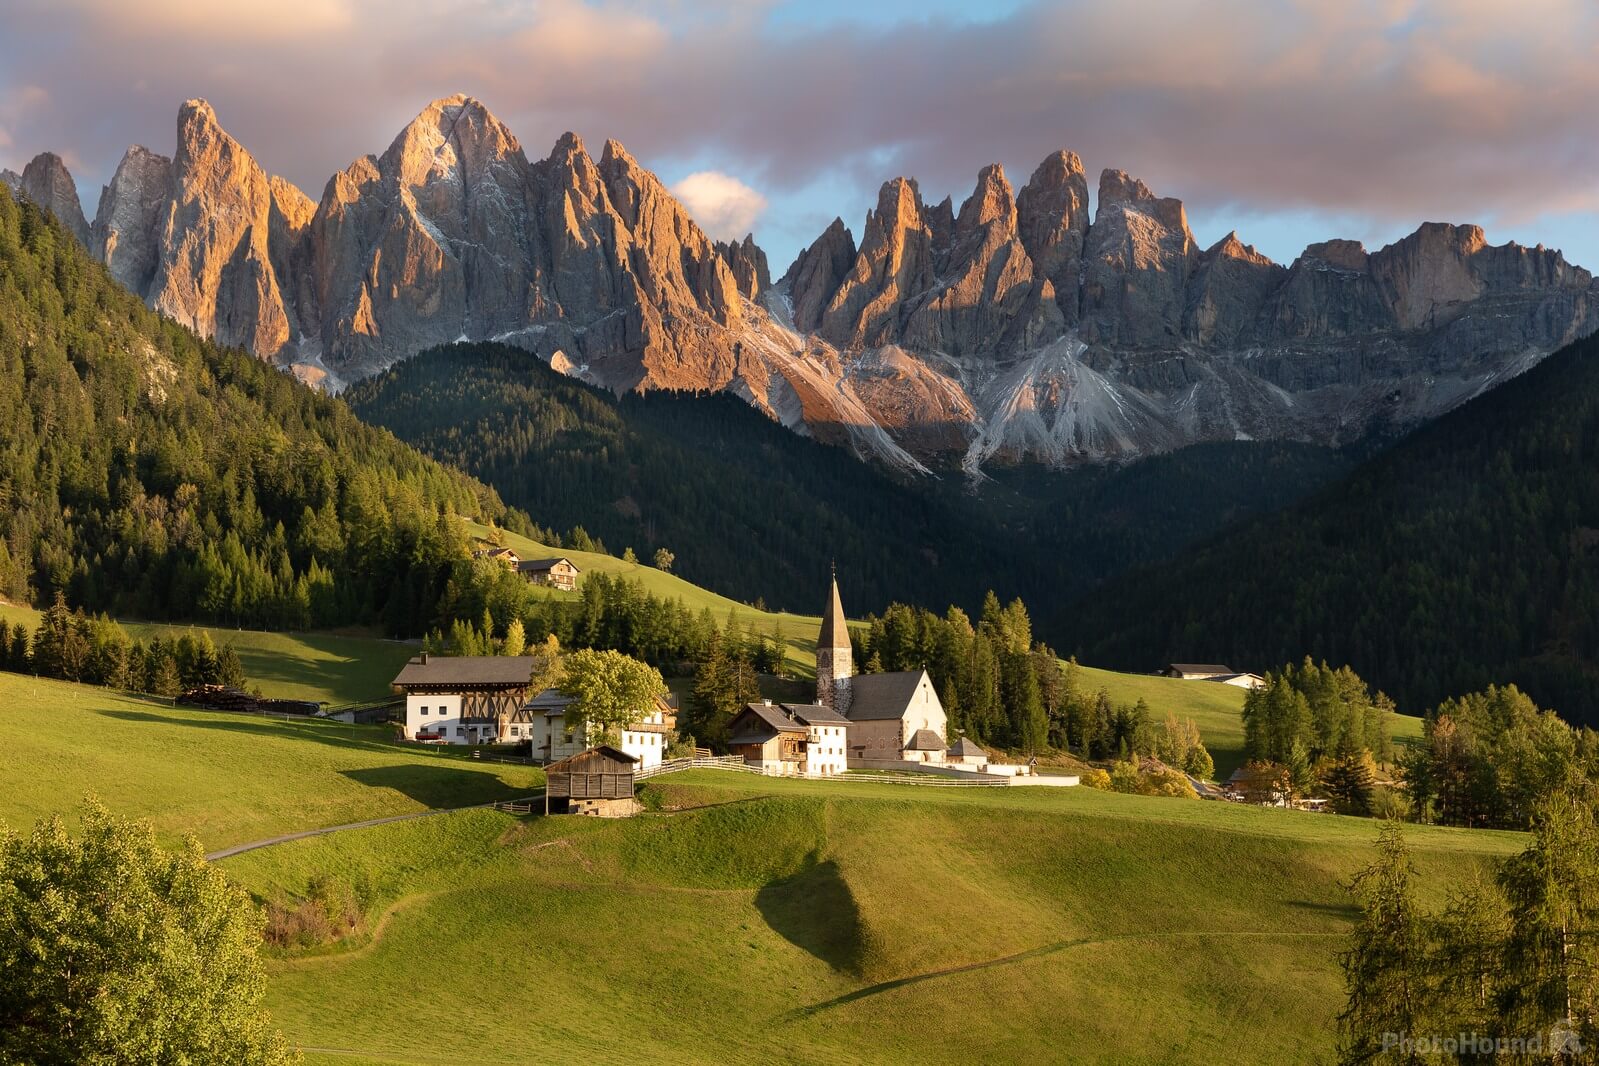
<point x="738" y="765"/>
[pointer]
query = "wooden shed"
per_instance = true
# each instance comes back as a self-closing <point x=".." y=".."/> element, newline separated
<point x="598" y="781"/>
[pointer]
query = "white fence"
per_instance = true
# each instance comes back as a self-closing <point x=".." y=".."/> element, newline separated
<point x="738" y="765"/>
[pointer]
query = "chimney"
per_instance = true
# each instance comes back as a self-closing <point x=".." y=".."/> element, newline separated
<point x="424" y="658"/>
<point x="767" y="702"/>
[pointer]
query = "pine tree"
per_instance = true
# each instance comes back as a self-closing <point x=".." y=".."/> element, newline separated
<point x="1385" y="966"/>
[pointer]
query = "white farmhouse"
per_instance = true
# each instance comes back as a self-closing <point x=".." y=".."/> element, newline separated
<point x="463" y="699"/>
<point x="543" y="722"/>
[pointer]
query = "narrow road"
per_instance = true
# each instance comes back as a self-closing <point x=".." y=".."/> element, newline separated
<point x="239" y="849"/>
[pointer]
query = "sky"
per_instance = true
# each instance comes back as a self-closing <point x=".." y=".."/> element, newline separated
<point x="1290" y="121"/>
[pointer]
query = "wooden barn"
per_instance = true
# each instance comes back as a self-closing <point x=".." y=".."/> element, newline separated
<point x="597" y="782"/>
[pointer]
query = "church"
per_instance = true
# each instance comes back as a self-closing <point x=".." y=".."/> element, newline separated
<point x="893" y="718"/>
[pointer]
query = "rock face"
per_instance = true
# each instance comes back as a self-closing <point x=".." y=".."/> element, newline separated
<point x="46" y="182"/>
<point x="1014" y="327"/>
<point x="748" y="264"/>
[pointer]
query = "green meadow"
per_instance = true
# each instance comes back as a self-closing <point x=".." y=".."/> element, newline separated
<point x="756" y="921"/>
<point x="225" y="778"/>
<point x="741" y="919"/>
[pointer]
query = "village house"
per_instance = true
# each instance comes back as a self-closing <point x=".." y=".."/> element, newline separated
<point x="506" y="557"/>
<point x="597" y="782"/>
<point x="1198" y="671"/>
<point x="542" y="722"/>
<point x="893" y="717"/>
<point x="790" y="738"/>
<point x="556" y="573"/>
<point x="463" y="699"/>
<point x="1238" y="680"/>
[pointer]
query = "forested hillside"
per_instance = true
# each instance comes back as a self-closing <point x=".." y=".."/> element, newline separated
<point x="148" y="473"/>
<point x="753" y="511"/>
<point x="1467" y="555"/>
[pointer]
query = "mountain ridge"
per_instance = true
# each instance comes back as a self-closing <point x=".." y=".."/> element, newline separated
<point x="1016" y="327"/>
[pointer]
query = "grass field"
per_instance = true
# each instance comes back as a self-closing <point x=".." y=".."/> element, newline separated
<point x="326" y="667"/>
<point x="834" y="922"/>
<point x="226" y="778"/>
<point x="749" y="920"/>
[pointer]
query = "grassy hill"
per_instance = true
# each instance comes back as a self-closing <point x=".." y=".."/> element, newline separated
<point x="227" y="778"/>
<point x="828" y="922"/>
<point x="748" y="919"/>
<point x="333" y="668"/>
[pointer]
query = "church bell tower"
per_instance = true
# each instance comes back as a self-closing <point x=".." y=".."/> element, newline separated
<point x="835" y="662"/>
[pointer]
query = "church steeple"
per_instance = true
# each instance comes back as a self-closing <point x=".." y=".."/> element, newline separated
<point x="834" y="658"/>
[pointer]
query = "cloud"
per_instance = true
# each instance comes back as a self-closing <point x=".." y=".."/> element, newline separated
<point x="1385" y="111"/>
<point x="724" y="207"/>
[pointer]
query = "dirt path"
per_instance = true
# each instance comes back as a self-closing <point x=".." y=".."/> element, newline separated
<point x="239" y="849"/>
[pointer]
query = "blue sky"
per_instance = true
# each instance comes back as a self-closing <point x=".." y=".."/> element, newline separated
<point x="1287" y="121"/>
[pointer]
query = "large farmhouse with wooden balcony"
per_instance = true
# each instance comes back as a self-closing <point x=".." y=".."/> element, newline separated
<point x="542" y="722"/>
<point x="805" y="739"/>
<point x="557" y="573"/>
<point x="893" y="717"/>
<point x="464" y="699"/>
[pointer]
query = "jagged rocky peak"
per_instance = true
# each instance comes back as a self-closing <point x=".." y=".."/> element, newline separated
<point x="1340" y="253"/>
<point x="816" y="274"/>
<point x="1052" y="222"/>
<point x="895" y="261"/>
<point x="1230" y="286"/>
<point x="124" y="236"/>
<point x="217" y="267"/>
<point x="46" y="181"/>
<point x="748" y="263"/>
<point x="1137" y="263"/>
<point x="1117" y="188"/>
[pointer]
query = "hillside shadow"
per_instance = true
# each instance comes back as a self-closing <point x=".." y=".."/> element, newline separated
<point x="310" y="729"/>
<point x="815" y="910"/>
<point x="1338" y="910"/>
<point x="437" y="785"/>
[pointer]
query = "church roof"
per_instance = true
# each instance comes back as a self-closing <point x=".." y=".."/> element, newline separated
<point x="835" y="630"/>
<point x="879" y="696"/>
<point x="966" y="746"/>
<point x="925" y="740"/>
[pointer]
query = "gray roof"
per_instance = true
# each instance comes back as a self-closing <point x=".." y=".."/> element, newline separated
<point x="505" y="670"/>
<point x="1200" y="668"/>
<point x="925" y="740"/>
<point x="815" y="714"/>
<point x="550" y="701"/>
<point x="771" y="716"/>
<point x="545" y="564"/>
<point x="967" y="746"/>
<point x="880" y="696"/>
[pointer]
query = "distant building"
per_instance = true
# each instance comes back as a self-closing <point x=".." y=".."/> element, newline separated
<point x="806" y="739"/>
<point x="596" y="782"/>
<point x="1238" y="680"/>
<point x="463" y="699"/>
<point x="1198" y="671"/>
<point x="506" y="557"/>
<point x="542" y="722"/>
<point x="895" y="717"/>
<point x="556" y="573"/>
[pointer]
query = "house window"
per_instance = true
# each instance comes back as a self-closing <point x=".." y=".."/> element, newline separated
<point x="424" y="710"/>
<point x="516" y="731"/>
<point x="460" y="731"/>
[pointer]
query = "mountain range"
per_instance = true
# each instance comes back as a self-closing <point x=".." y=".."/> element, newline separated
<point x="1016" y="327"/>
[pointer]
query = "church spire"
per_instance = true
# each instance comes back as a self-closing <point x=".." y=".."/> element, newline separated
<point x="835" y="630"/>
<point x="834" y="659"/>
